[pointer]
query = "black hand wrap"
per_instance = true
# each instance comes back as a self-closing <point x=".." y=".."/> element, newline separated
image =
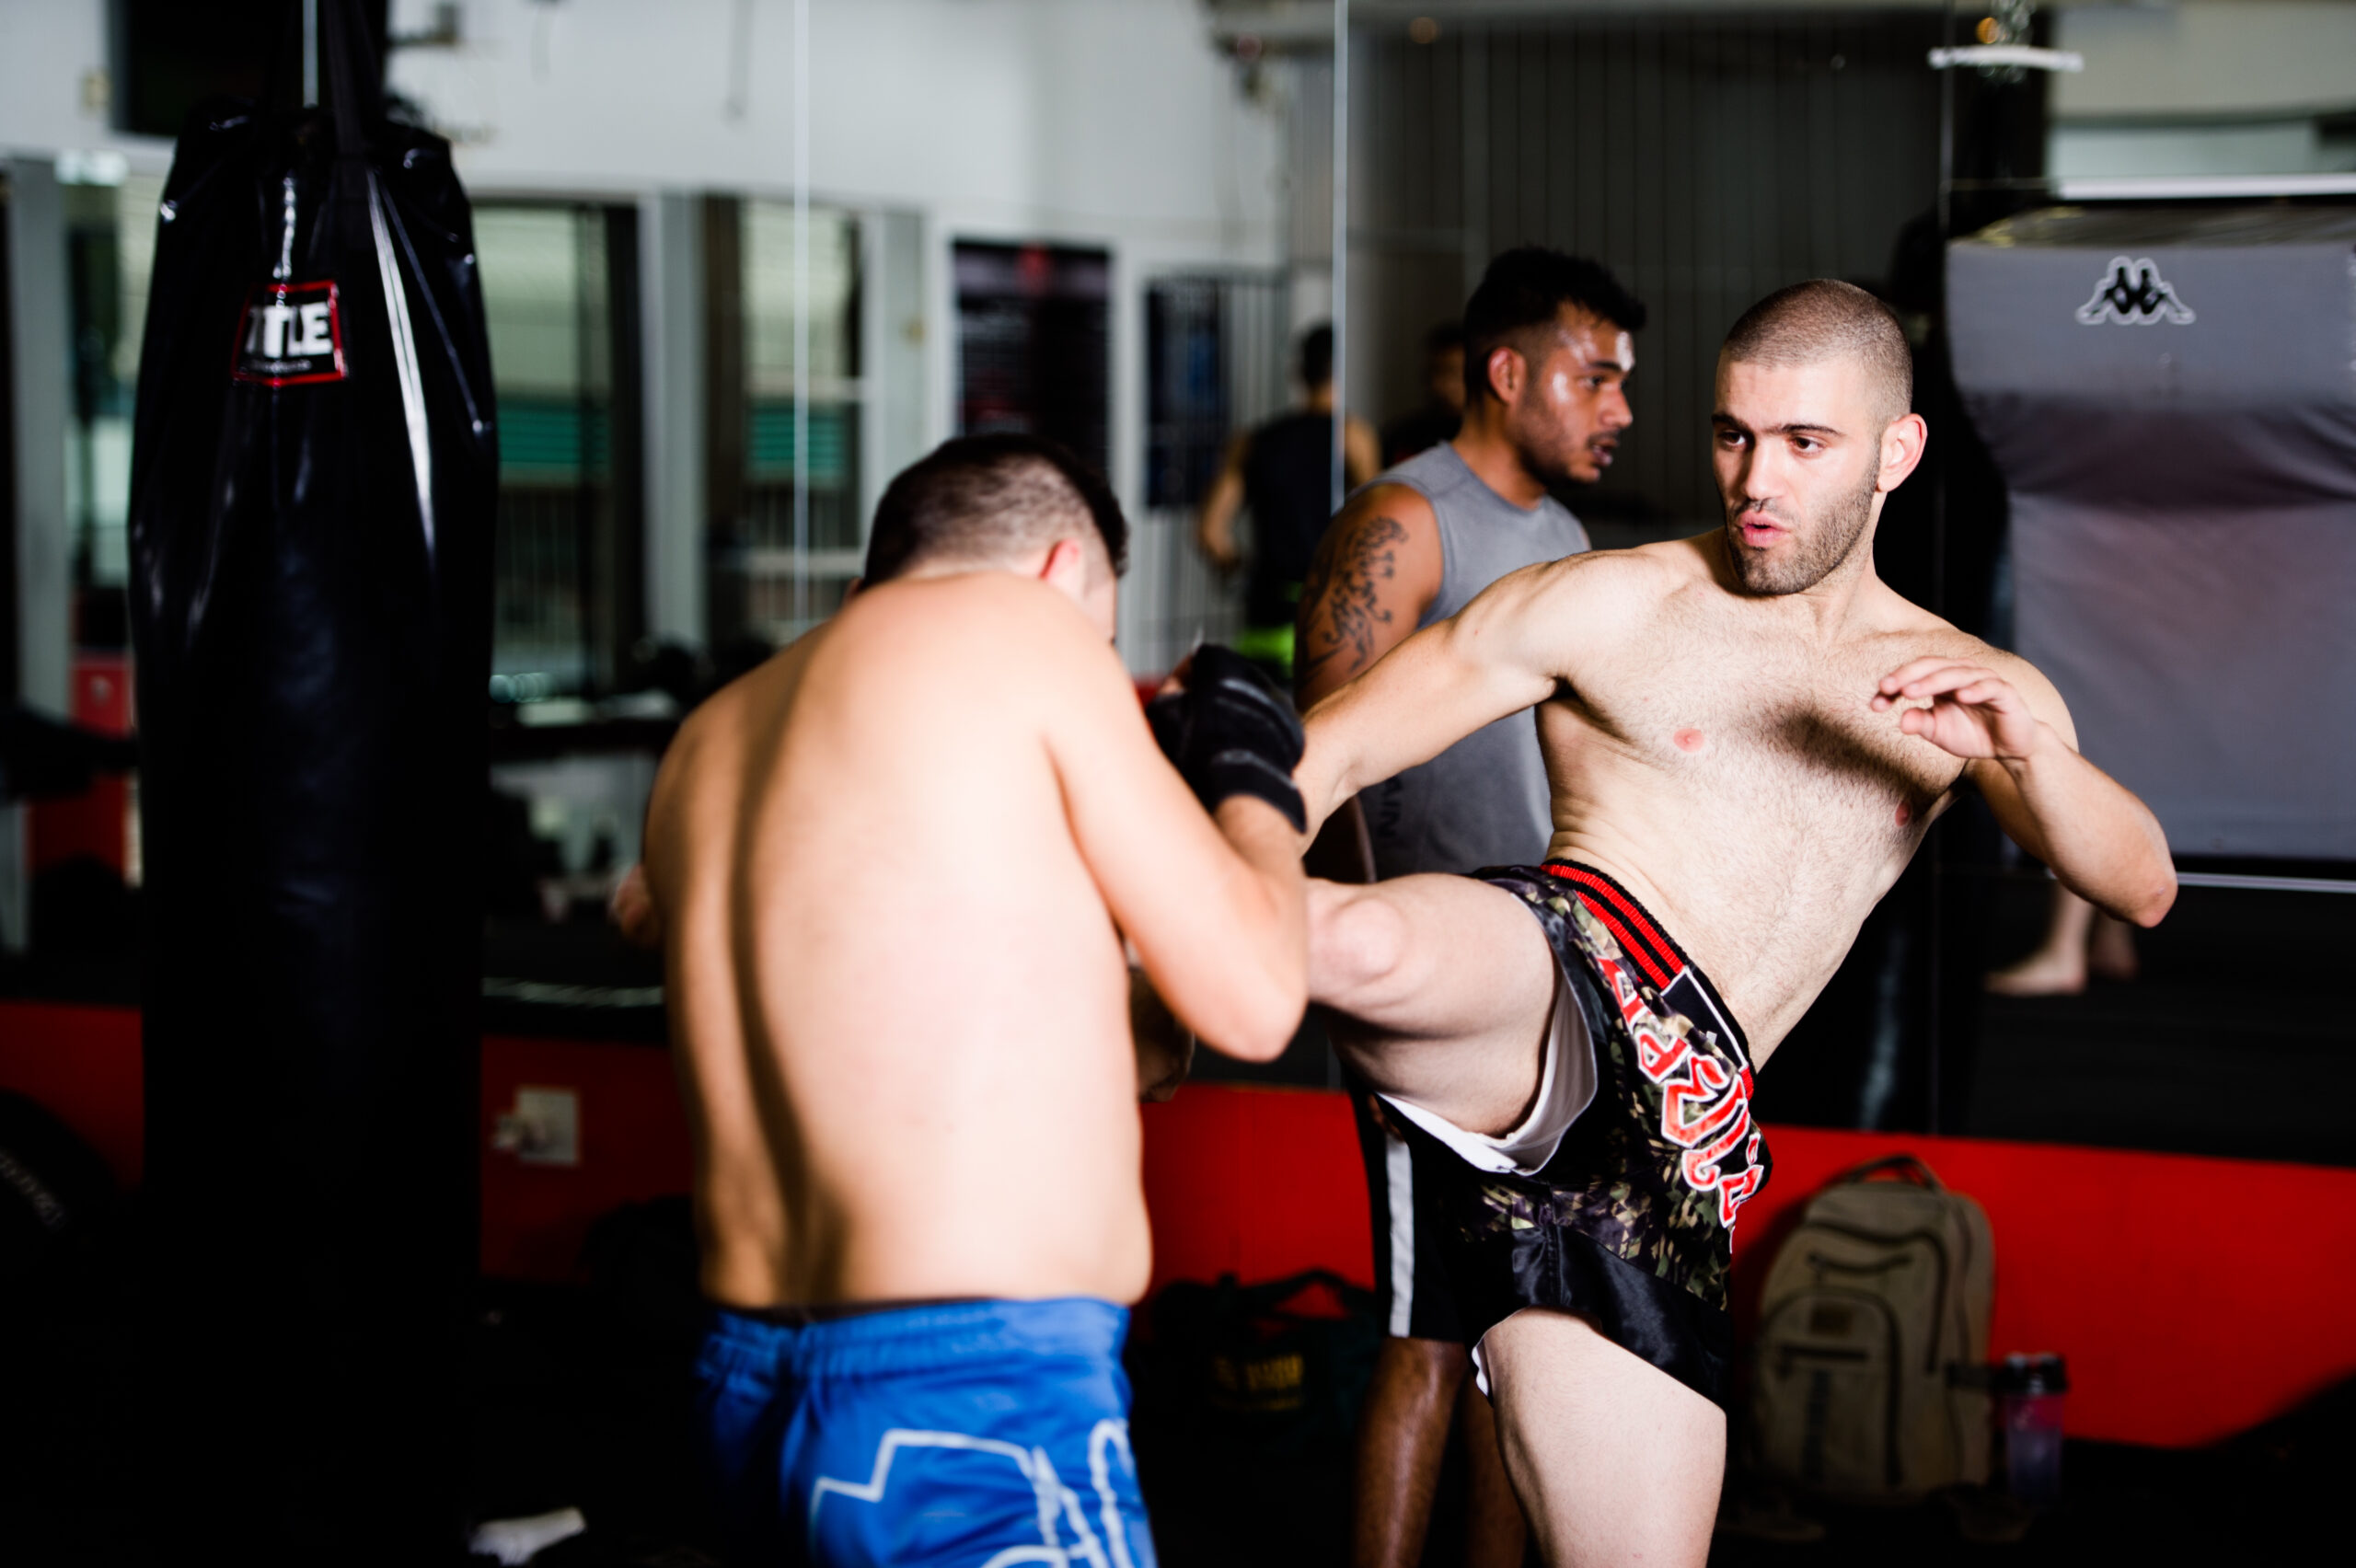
<point x="1231" y="732"/>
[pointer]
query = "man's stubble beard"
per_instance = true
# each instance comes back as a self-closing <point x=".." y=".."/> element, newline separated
<point x="1826" y="542"/>
<point x="1544" y="451"/>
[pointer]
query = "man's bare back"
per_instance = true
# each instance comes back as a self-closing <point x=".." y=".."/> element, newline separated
<point x="904" y="1007"/>
<point x="901" y="1003"/>
<point x="894" y="871"/>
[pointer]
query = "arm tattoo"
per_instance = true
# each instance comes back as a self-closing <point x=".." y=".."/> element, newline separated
<point x="1342" y="594"/>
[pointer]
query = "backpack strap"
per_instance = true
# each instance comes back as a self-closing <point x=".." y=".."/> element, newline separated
<point x="1905" y="1167"/>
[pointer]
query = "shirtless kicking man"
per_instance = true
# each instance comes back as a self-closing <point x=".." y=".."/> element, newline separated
<point x="893" y="868"/>
<point x="1746" y="736"/>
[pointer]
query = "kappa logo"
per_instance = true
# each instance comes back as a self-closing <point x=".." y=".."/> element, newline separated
<point x="2133" y="291"/>
<point x="292" y="335"/>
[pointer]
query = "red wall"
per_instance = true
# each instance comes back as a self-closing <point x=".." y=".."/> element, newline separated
<point x="83" y="1065"/>
<point x="633" y="1147"/>
<point x="1256" y="1182"/>
<point x="2194" y="1298"/>
<point x="94" y="822"/>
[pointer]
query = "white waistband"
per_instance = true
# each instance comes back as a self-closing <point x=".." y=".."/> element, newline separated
<point x="1565" y="1089"/>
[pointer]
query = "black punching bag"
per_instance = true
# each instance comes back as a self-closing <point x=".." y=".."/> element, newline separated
<point x="314" y="478"/>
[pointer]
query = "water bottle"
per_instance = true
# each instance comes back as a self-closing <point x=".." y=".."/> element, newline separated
<point x="2029" y="1392"/>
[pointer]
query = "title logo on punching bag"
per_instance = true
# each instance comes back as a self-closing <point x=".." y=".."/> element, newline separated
<point x="292" y="335"/>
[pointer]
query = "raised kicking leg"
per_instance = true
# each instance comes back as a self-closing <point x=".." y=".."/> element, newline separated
<point x="1443" y="988"/>
<point x="1615" y="1461"/>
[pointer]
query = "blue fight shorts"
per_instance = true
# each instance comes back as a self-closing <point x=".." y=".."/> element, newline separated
<point x="978" y="1434"/>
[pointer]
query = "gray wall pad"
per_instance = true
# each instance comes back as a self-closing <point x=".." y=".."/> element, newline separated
<point x="2183" y="508"/>
<point x="2209" y="660"/>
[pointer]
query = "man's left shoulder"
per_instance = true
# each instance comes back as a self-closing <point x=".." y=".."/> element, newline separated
<point x="1917" y="634"/>
<point x="1946" y="639"/>
<point x="2043" y="696"/>
<point x="1899" y="623"/>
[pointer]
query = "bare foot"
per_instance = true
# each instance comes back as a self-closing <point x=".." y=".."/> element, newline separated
<point x="2111" y="954"/>
<point x="632" y="910"/>
<point x="2042" y="974"/>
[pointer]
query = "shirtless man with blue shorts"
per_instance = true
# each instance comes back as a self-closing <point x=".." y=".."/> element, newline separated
<point x="894" y="870"/>
<point x="1746" y="736"/>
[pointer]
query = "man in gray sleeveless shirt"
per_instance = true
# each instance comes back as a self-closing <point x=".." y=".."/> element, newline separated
<point x="1547" y="351"/>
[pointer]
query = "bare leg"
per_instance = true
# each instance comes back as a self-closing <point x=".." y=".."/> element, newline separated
<point x="1402" y="1434"/>
<point x="2111" y="952"/>
<point x="1494" y="1533"/>
<point x="2058" y="967"/>
<point x="1616" y="1461"/>
<point x="1444" y="987"/>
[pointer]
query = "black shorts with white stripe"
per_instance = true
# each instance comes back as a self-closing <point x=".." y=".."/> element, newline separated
<point x="1410" y="1269"/>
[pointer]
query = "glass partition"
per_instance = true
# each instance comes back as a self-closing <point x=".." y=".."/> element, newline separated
<point x="559" y="295"/>
<point x="109" y="250"/>
<point x="1035" y="343"/>
<point x="838" y="535"/>
<point x="767" y="586"/>
<point x="1215" y="353"/>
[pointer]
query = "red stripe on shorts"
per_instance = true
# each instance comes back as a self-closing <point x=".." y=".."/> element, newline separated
<point x="1650" y="948"/>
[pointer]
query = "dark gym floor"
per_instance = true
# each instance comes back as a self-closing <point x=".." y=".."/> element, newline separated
<point x="582" y="1400"/>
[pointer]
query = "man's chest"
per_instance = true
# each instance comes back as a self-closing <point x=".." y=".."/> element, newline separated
<point x="1781" y="731"/>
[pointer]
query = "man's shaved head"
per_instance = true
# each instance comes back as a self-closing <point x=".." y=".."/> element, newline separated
<point x="1824" y="320"/>
<point x="1810" y="432"/>
<point x="985" y="499"/>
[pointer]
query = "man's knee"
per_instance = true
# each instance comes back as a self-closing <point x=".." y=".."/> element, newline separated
<point x="1358" y="945"/>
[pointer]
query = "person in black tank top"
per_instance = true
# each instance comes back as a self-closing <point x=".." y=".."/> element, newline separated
<point x="1282" y="472"/>
<point x="1287" y="489"/>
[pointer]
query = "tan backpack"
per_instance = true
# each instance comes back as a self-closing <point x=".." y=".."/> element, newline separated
<point x="1868" y="1382"/>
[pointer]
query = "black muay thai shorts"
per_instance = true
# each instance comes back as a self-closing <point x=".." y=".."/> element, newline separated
<point x="1629" y="1220"/>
